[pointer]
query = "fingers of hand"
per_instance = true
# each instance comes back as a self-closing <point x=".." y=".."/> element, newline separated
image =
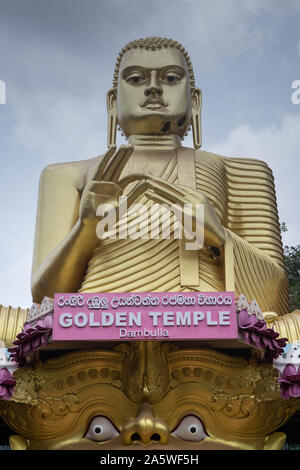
<point x="107" y="188"/>
<point x="117" y="162"/>
<point x="174" y="194"/>
<point x="98" y="173"/>
<point x="169" y="193"/>
<point x="177" y="194"/>
<point x="112" y="163"/>
<point x="183" y="192"/>
<point x="156" y="190"/>
<point x="214" y="232"/>
<point x="137" y="191"/>
<point x="158" y="197"/>
<point x="130" y="179"/>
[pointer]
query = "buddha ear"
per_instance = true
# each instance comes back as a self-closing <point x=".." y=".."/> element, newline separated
<point x="196" y="117"/>
<point x="111" y="103"/>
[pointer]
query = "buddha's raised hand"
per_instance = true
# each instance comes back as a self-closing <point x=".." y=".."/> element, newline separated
<point x="103" y="185"/>
<point x="183" y="201"/>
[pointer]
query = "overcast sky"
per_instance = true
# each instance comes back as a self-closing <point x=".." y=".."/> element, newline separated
<point x="57" y="59"/>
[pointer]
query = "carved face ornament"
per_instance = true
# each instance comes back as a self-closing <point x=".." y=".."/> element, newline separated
<point x="147" y="394"/>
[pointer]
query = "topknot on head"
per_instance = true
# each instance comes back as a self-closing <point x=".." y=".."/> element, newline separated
<point x="154" y="43"/>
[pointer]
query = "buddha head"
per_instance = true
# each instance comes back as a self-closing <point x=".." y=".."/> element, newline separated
<point x="154" y="91"/>
<point x="147" y="395"/>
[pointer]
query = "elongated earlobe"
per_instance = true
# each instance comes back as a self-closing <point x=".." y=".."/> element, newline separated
<point x="196" y="118"/>
<point x="112" y="118"/>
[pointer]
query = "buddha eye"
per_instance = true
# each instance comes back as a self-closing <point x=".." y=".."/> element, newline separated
<point x="101" y="429"/>
<point x="171" y="78"/>
<point x="135" y="79"/>
<point x="190" y="428"/>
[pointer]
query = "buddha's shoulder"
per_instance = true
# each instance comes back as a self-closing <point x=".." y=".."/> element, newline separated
<point x="74" y="173"/>
<point x="233" y="163"/>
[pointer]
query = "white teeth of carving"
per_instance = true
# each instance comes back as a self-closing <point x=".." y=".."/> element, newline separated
<point x="37" y="310"/>
<point x="254" y="308"/>
<point x="47" y="305"/>
<point x="242" y="303"/>
<point x="33" y="312"/>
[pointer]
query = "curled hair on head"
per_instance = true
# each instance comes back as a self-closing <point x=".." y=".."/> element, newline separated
<point x="154" y="43"/>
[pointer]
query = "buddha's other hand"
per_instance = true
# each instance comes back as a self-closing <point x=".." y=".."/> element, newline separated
<point x="104" y="186"/>
<point x="186" y="200"/>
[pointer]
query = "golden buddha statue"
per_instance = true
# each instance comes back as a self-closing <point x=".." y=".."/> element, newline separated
<point x="146" y="393"/>
<point x="153" y="90"/>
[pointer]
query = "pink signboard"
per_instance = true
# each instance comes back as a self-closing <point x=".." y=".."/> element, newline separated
<point x="144" y="316"/>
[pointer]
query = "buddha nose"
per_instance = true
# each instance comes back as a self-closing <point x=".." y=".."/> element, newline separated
<point x="145" y="428"/>
<point x="153" y="87"/>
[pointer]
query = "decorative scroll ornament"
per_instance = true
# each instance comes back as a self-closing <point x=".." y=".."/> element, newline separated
<point x="230" y="393"/>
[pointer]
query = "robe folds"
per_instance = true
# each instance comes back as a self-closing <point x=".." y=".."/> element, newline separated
<point x="243" y="194"/>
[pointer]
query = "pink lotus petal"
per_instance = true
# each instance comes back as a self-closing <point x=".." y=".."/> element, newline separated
<point x="6" y="384"/>
<point x="256" y="333"/>
<point x="32" y="338"/>
<point x="268" y="342"/>
<point x="26" y="347"/>
<point x="3" y="391"/>
<point x="290" y="382"/>
<point x="35" y="343"/>
<point x="294" y="391"/>
<point x="5" y="375"/>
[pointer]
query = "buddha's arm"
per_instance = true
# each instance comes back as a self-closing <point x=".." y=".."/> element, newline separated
<point x="66" y="235"/>
<point x="258" y="262"/>
<point x="63" y="244"/>
<point x="255" y="274"/>
<point x="64" y="268"/>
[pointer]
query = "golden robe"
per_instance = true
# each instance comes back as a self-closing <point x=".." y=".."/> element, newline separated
<point x="243" y="195"/>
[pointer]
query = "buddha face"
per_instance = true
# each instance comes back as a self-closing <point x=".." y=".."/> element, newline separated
<point x="153" y="96"/>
